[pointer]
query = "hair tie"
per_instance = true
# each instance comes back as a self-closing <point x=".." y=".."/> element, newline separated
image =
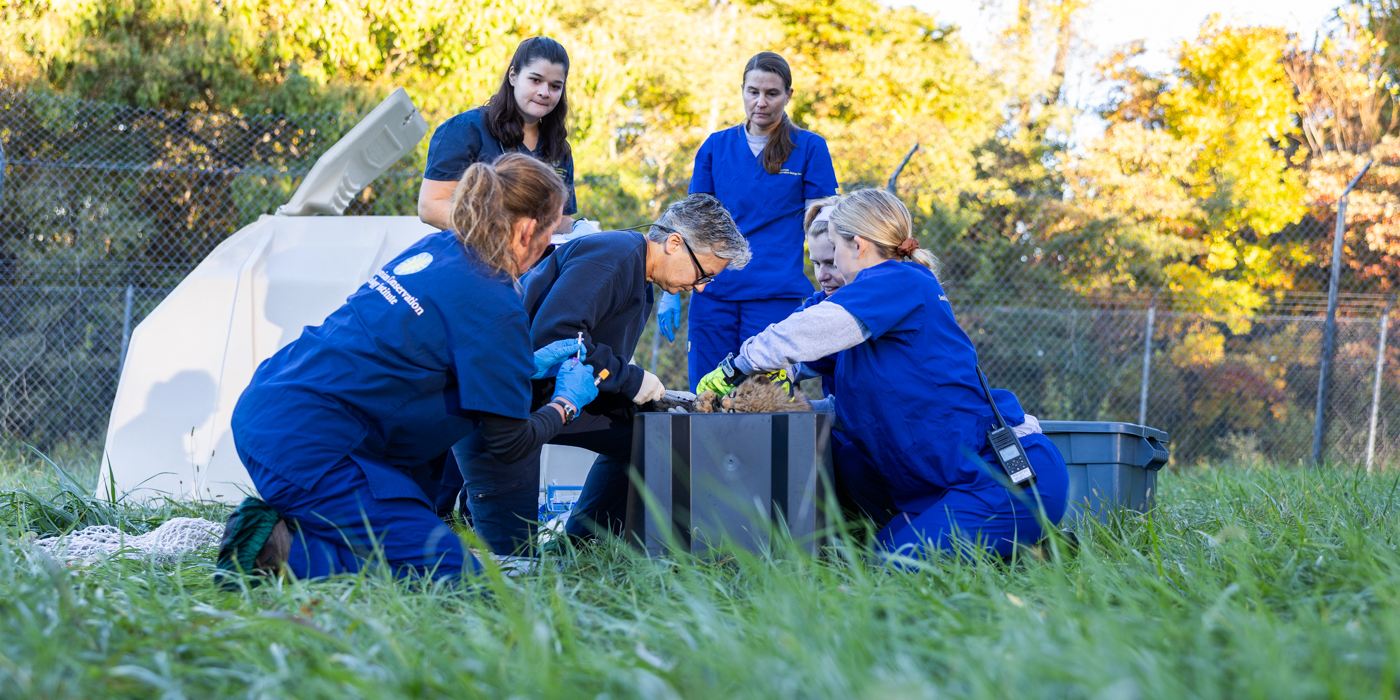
<point x="824" y="214"/>
<point x="907" y="247"/>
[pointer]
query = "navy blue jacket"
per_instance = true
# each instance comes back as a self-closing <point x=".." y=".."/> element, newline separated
<point x="464" y="139"/>
<point x="598" y="285"/>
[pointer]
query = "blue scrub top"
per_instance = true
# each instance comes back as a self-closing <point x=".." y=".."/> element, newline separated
<point x="767" y="208"/>
<point x="395" y="376"/>
<point x="464" y="139"/>
<point x="910" y="396"/>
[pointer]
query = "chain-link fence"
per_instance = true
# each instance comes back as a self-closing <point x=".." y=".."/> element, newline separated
<point x="105" y="208"/>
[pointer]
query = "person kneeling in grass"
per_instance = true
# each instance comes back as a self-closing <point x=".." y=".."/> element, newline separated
<point x="435" y="346"/>
<point x="918" y="462"/>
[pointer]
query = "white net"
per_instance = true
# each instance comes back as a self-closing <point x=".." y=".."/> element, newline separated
<point x="175" y="537"/>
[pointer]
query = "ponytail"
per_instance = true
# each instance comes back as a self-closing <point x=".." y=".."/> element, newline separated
<point x="780" y="143"/>
<point x="492" y="197"/>
<point x="480" y="219"/>
<point x="779" y="146"/>
<point x="927" y="259"/>
<point x="880" y="218"/>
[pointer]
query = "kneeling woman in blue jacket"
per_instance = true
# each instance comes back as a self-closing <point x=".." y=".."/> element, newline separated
<point x="918" y="461"/>
<point x="436" y="345"/>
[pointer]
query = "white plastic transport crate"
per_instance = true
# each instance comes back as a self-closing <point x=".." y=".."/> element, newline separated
<point x="191" y="358"/>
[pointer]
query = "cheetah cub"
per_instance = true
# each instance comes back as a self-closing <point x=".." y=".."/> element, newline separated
<point x="759" y="394"/>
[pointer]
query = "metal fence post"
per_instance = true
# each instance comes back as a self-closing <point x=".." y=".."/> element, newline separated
<point x="1146" y="364"/>
<point x="893" y="185"/>
<point x="1376" y="389"/>
<point x="126" y="329"/>
<point x="1329" y="333"/>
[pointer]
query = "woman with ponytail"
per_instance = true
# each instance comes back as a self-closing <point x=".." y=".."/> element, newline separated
<point x="764" y="172"/>
<point x="917" y="460"/>
<point x="434" y="346"/>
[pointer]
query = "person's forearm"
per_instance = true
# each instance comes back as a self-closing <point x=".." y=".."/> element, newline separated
<point x="513" y="439"/>
<point x="436" y="213"/>
<point x="810" y="334"/>
<point x="623" y="377"/>
<point x="566" y="225"/>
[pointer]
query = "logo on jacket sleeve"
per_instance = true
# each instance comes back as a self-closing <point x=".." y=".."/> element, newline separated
<point x="414" y="264"/>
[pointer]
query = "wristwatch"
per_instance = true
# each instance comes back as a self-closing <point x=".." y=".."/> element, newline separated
<point x="570" y="413"/>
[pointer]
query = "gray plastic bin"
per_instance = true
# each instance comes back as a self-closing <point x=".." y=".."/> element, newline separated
<point x="1112" y="466"/>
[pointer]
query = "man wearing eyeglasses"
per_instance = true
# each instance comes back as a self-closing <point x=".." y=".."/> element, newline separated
<point x="599" y="285"/>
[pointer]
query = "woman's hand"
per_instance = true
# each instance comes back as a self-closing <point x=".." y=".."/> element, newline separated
<point x="556" y="352"/>
<point x="652" y="389"/>
<point x="668" y="315"/>
<point x="574" y="384"/>
<point x="721" y="379"/>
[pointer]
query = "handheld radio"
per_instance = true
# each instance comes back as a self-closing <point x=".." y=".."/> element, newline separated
<point x="1007" y="447"/>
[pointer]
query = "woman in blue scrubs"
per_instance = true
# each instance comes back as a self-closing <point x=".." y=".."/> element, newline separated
<point x="526" y="115"/>
<point x="436" y="345"/>
<point x="764" y="171"/>
<point x="917" y="460"/>
<point x="823" y="255"/>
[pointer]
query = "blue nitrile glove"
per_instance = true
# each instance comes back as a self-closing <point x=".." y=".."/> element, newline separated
<point x="575" y="383"/>
<point x="668" y="315"/>
<point x="556" y="352"/>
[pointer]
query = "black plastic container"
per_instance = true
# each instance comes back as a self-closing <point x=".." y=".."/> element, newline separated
<point x="734" y="476"/>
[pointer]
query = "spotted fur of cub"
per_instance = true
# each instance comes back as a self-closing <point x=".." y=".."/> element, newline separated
<point x="757" y="395"/>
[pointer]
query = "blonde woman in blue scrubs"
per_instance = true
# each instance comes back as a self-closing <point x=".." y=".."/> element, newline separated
<point x="764" y="172"/>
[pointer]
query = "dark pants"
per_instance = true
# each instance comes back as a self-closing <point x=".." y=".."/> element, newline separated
<point x="504" y="498"/>
<point x="338" y="526"/>
<point x="718" y="328"/>
<point x="441" y="482"/>
<point x="993" y="519"/>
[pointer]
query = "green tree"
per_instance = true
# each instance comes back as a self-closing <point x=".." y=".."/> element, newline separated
<point x="1194" y="171"/>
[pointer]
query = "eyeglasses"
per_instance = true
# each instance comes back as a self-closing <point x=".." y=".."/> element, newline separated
<point x="701" y="277"/>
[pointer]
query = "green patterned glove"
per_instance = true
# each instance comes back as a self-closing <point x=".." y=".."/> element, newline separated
<point x="722" y="379"/>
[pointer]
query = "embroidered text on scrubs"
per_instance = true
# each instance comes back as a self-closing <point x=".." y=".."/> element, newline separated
<point x="409" y="298"/>
<point x="383" y="291"/>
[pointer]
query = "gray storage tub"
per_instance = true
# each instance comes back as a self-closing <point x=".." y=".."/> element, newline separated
<point x="1112" y="466"/>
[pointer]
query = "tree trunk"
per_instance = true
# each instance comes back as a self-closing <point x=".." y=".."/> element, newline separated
<point x="1063" y="42"/>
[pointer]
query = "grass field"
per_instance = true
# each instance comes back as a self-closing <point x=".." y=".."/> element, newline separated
<point x="1246" y="583"/>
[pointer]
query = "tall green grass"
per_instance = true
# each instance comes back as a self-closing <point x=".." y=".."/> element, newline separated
<point x="1260" y="583"/>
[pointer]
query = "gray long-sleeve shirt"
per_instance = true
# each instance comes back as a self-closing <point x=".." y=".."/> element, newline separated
<point x="811" y="334"/>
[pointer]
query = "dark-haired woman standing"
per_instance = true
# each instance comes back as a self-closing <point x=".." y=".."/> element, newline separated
<point x="526" y="115"/>
<point x="764" y="171"/>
